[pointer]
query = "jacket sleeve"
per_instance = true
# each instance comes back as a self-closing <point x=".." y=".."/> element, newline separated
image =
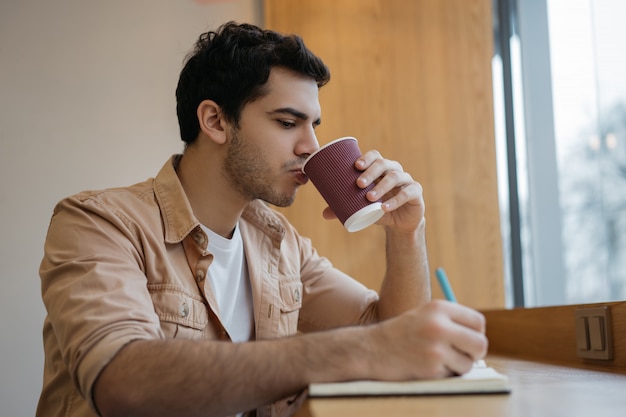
<point x="331" y="298"/>
<point x="93" y="287"/>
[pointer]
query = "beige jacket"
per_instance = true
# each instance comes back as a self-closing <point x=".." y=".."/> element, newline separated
<point x="130" y="263"/>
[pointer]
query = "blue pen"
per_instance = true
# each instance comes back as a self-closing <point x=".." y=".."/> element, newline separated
<point x="445" y="285"/>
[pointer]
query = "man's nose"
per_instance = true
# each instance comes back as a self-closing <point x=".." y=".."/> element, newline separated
<point x="307" y="144"/>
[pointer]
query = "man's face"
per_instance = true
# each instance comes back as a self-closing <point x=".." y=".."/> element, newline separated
<point x="276" y="134"/>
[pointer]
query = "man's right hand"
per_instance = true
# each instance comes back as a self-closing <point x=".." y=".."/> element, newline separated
<point x="437" y="340"/>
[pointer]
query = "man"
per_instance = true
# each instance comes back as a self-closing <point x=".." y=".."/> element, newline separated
<point x="186" y="295"/>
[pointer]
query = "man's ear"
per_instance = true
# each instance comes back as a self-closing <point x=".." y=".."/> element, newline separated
<point x="211" y="121"/>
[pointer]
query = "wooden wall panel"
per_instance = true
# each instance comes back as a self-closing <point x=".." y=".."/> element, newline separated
<point x="549" y="334"/>
<point x="413" y="80"/>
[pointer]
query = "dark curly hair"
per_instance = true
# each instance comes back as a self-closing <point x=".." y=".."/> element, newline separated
<point x="231" y="66"/>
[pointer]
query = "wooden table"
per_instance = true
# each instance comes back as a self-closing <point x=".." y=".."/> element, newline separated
<point x="539" y="389"/>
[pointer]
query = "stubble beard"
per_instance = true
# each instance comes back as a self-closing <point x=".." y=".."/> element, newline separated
<point x="247" y="170"/>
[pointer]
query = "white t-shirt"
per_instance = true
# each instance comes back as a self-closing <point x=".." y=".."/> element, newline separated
<point x="228" y="275"/>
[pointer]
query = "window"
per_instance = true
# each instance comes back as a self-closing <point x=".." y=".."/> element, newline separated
<point x="560" y="98"/>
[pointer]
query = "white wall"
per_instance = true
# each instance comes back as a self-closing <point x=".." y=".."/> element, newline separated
<point x="86" y="101"/>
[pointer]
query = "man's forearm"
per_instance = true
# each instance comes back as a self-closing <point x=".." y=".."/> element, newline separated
<point x="406" y="284"/>
<point x="222" y="378"/>
<point x="211" y="378"/>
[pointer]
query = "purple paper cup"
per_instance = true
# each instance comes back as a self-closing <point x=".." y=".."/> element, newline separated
<point x="331" y="170"/>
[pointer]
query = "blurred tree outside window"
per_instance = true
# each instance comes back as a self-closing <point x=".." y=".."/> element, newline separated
<point x="588" y="61"/>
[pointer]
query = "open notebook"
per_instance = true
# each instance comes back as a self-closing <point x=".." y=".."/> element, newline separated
<point x="480" y="380"/>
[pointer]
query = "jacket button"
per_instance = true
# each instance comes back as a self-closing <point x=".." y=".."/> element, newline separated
<point x="184" y="310"/>
<point x="200" y="274"/>
<point x="199" y="238"/>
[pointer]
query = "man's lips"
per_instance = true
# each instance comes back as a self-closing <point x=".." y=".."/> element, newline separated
<point x="300" y="176"/>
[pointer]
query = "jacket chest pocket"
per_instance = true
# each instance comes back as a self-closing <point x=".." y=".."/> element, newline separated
<point x="182" y="315"/>
<point x="290" y="304"/>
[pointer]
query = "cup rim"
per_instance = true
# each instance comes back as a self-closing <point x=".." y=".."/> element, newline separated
<point x="325" y="146"/>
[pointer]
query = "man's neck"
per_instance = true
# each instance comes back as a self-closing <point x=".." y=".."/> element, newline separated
<point x="213" y="200"/>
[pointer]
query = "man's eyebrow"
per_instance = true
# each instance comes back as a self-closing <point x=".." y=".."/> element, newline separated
<point x="295" y="113"/>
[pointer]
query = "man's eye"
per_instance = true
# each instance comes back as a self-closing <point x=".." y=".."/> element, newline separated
<point x="286" y="123"/>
